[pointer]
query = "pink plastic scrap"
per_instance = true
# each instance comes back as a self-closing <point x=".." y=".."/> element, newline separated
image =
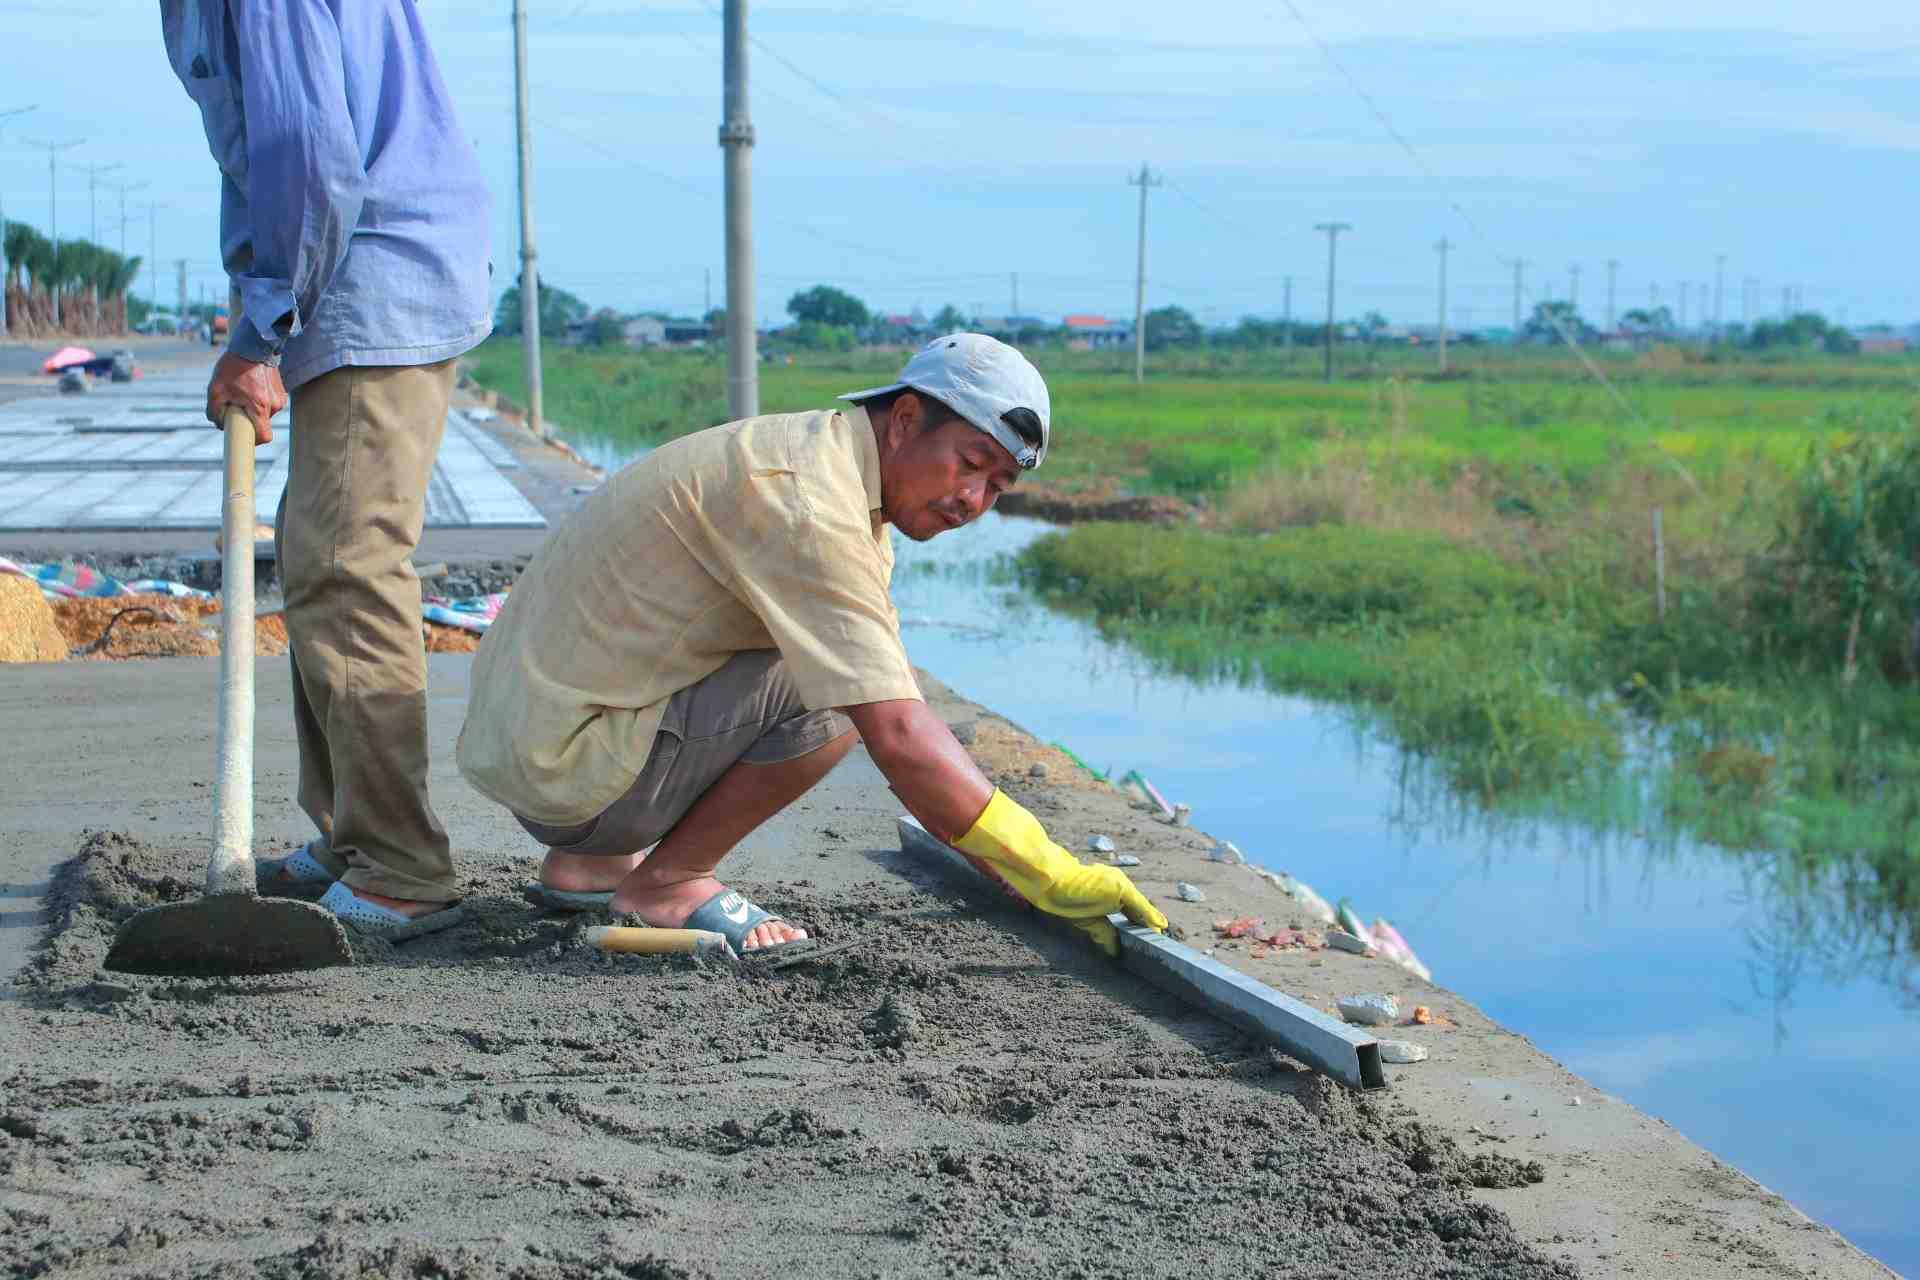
<point x="66" y="356"/>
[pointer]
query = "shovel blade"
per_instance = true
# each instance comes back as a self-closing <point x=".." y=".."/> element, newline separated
<point x="230" y="935"/>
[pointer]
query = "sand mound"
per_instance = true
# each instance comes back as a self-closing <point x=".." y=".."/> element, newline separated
<point x="28" y="632"/>
<point x="961" y="1095"/>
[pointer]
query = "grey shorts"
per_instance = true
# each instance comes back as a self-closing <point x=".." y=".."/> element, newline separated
<point x="747" y="711"/>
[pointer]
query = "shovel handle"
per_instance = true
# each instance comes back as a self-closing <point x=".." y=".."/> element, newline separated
<point x="230" y="870"/>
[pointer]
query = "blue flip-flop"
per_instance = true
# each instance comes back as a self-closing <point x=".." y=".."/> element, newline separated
<point x="729" y="914"/>
<point x="298" y="870"/>
<point x="371" y="920"/>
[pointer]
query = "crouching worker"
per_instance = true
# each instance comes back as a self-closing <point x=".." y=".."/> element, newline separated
<point x="707" y="637"/>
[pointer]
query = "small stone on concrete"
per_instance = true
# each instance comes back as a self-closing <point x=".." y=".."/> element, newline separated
<point x="1372" y="1010"/>
<point x="1574" y="1101"/>
<point x="1341" y="940"/>
<point x="1101" y="844"/>
<point x="1036" y="770"/>
<point x="1189" y="892"/>
<point x="1126" y="860"/>
<point x="1402" y="1051"/>
<point x="1225" y="851"/>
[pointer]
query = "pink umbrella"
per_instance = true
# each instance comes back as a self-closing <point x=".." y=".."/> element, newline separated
<point x="66" y="356"/>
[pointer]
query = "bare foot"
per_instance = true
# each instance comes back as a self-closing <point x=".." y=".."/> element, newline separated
<point x="667" y="906"/>
<point x="584" y="873"/>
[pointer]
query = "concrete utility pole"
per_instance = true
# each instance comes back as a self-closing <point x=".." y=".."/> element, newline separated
<point x="1573" y="288"/>
<point x="1719" y="294"/>
<point x="4" y="117"/>
<point x="1286" y="315"/>
<point x="529" y="256"/>
<point x="1014" y="278"/>
<point x="706" y="291"/>
<point x="123" y="188"/>
<point x="1683" y="306"/>
<point x="93" y="172"/>
<point x="1145" y="181"/>
<point x="153" y="252"/>
<point x="53" y="211"/>
<point x="180" y="267"/>
<point x="1333" y="230"/>
<point x="736" y="142"/>
<point x="1444" y="245"/>
<point x="1613" y="276"/>
<point x="1786" y="302"/>
<point x="1519" y="274"/>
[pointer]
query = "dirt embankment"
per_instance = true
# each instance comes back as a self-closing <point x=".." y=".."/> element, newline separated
<point x="1062" y="507"/>
<point x="965" y="1094"/>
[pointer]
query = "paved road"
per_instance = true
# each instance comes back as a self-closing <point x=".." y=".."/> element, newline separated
<point x="20" y="362"/>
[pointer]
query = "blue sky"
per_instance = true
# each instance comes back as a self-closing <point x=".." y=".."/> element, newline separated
<point x="923" y="160"/>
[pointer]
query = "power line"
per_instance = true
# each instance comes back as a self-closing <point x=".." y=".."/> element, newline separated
<point x="1593" y="370"/>
<point x="1211" y="212"/>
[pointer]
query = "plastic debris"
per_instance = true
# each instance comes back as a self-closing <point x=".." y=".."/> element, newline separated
<point x="1189" y="892"/>
<point x="1225" y="851"/>
<point x="1134" y="779"/>
<point x="1340" y="940"/>
<point x="1182" y="814"/>
<point x="1395" y="948"/>
<point x="1375" y="1010"/>
<point x="1574" y="1101"/>
<point x="1424" y="1017"/>
<point x="1302" y="892"/>
<point x="1101" y="844"/>
<point x="1349" y="920"/>
<point x="1402" y="1051"/>
<point x="1126" y="860"/>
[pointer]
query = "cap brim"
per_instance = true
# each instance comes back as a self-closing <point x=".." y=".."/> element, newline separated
<point x="876" y="391"/>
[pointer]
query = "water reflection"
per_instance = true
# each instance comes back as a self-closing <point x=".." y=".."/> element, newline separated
<point x="1763" y="1003"/>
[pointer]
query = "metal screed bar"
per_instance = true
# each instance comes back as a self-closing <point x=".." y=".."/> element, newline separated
<point x="1297" y="1029"/>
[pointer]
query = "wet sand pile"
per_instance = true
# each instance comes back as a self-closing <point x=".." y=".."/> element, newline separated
<point x="28" y="632"/>
<point x="965" y="1094"/>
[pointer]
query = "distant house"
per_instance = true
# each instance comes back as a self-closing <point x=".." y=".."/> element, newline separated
<point x="1092" y="333"/>
<point x="644" y="331"/>
<point x="1884" y="345"/>
<point x="894" y="329"/>
<point x="683" y="331"/>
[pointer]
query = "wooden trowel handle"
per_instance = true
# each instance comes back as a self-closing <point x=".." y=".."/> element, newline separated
<point x="230" y="870"/>
<point x="657" y="942"/>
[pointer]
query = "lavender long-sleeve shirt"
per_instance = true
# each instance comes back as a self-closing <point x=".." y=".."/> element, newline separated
<point x="353" y="216"/>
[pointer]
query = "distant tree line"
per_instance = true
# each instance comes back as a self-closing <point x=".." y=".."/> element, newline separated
<point x="90" y="281"/>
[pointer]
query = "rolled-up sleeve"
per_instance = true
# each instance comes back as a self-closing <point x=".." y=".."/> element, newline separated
<point x="819" y="586"/>
<point x="306" y="182"/>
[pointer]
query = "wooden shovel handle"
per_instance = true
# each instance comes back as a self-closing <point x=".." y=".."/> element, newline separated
<point x="230" y="870"/>
<point x="629" y="940"/>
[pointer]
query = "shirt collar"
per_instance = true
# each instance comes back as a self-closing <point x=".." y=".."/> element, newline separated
<point x="868" y="449"/>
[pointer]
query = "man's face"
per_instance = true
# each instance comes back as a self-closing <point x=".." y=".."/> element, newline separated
<point x="939" y="479"/>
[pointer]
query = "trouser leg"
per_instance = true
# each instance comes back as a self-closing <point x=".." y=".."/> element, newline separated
<point x="361" y="454"/>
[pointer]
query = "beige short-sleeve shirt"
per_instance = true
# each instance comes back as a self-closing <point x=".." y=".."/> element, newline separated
<point x="760" y="534"/>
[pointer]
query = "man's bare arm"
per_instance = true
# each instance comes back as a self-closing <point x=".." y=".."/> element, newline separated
<point x="927" y="767"/>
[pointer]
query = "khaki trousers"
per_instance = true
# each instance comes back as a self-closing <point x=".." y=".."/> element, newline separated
<point x="362" y="451"/>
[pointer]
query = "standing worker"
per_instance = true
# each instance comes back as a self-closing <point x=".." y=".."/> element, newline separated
<point x="699" y="644"/>
<point x="353" y="225"/>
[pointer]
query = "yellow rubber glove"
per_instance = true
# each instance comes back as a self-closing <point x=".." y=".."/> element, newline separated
<point x="1014" y="843"/>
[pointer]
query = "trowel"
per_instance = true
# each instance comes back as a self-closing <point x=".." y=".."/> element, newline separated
<point x="232" y="930"/>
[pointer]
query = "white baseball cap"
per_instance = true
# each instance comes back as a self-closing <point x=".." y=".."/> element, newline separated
<point x="986" y="382"/>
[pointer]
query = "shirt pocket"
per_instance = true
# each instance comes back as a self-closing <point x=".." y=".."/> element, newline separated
<point x="219" y="104"/>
